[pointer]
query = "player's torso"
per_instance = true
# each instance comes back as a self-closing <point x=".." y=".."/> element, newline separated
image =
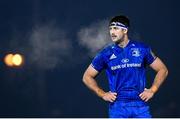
<point x="126" y="70"/>
<point x="122" y="58"/>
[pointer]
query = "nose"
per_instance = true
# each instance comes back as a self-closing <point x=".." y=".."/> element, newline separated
<point x="112" y="34"/>
<point x="112" y="31"/>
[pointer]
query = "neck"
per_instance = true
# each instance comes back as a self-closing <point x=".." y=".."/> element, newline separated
<point x="124" y="42"/>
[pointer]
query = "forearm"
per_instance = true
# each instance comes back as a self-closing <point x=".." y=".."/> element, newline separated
<point x="92" y="85"/>
<point x="159" y="79"/>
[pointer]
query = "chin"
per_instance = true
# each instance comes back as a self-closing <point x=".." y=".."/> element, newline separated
<point x="116" y="40"/>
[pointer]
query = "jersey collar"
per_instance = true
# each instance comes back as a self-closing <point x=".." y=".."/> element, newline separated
<point x="128" y="44"/>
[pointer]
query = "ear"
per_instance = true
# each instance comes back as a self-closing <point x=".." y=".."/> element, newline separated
<point x="125" y="31"/>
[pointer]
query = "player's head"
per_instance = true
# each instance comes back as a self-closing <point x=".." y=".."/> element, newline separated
<point x="118" y="27"/>
<point x="120" y="19"/>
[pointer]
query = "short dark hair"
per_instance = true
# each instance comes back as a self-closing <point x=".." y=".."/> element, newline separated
<point x="122" y="19"/>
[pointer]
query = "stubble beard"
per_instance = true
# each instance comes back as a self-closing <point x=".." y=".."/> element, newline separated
<point x="120" y="40"/>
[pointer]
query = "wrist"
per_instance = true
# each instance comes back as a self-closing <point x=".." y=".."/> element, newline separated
<point x="154" y="89"/>
<point x="100" y="93"/>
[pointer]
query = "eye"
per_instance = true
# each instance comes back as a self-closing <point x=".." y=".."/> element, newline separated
<point x="115" y="28"/>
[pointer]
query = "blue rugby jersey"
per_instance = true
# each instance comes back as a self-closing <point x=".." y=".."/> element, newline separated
<point x="125" y="68"/>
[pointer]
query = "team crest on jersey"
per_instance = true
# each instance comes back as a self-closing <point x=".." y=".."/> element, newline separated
<point x="135" y="52"/>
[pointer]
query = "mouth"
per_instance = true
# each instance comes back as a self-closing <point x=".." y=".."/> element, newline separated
<point x="113" y="36"/>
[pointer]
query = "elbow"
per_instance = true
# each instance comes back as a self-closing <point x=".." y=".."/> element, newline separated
<point x="166" y="72"/>
<point x="84" y="79"/>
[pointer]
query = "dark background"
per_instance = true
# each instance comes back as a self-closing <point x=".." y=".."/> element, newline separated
<point x="49" y="84"/>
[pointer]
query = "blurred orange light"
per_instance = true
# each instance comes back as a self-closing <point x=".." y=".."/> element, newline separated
<point x="13" y="60"/>
<point x="8" y="60"/>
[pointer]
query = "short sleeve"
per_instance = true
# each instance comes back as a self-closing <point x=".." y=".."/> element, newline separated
<point x="98" y="63"/>
<point x="150" y="56"/>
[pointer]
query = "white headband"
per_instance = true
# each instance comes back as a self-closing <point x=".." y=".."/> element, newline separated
<point x="119" y="25"/>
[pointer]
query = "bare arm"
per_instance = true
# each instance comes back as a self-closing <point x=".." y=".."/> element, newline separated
<point x="161" y="75"/>
<point x="90" y="82"/>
